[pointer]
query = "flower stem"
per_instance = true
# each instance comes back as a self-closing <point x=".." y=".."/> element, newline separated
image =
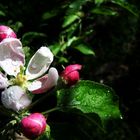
<point x="50" y="110"/>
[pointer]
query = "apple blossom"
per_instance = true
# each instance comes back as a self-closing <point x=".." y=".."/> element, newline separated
<point x="33" y="125"/>
<point x="70" y="74"/>
<point x="6" y="32"/>
<point x="15" y="98"/>
<point x="12" y="60"/>
<point x="3" y="81"/>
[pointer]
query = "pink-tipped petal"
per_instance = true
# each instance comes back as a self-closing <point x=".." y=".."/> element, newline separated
<point x="44" y="83"/>
<point x="3" y="81"/>
<point x="6" y="32"/>
<point x="11" y="56"/>
<point x="39" y="63"/>
<point x="37" y="84"/>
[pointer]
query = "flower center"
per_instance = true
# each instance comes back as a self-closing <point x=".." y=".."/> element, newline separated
<point x="20" y="79"/>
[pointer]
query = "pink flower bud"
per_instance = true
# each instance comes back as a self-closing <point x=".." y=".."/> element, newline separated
<point x="33" y="125"/>
<point x="6" y="32"/>
<point x="71" y="74"/>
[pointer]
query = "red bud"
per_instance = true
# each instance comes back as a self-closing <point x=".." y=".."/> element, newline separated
<point x="6" y="32"/>
<point x="71" y="74"/>
<point x="33" y="125"/>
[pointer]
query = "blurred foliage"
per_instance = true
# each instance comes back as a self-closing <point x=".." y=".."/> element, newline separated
<point x="102" y="35"/>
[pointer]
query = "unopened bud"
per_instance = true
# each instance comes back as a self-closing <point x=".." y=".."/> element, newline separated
<point x="33" y="125"/>
<point x="70" y="74"/>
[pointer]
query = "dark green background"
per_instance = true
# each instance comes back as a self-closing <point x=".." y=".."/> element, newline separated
<point x="115" y="41"/>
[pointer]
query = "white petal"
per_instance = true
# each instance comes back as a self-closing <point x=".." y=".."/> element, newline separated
<point x="44" y="83"/>
<point x="11" y="55"/>
<point x="39" y="63"/>
<point x="3" y="81"/>
<point x="15" y="98"/>
<point x="52" y="77"/>
<point x="37" y="84"/>
<point x="24" y="100"/>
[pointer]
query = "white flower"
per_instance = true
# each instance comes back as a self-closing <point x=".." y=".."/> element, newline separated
<point x="15" y="98"/>
<point x="3" y="81"/>
<point x="12" y="60"/>
<point x="11" y="56"/>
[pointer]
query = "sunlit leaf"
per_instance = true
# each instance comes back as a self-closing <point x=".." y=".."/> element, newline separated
<point x="71" y="40"/>
<point x="69" y="20"/>
<point x="99" y="1"/>
<point x="104" y="11"/>
<point x="55" y="48"/>
<point x="85" y="49"/>
<point x="76" y="6"/>
<point x="63" y="60"/>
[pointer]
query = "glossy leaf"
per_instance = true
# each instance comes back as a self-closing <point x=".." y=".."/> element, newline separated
<point x="91" y="97"/>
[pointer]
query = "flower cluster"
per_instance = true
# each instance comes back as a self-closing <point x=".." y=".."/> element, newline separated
<point x="12" y="61"/>
<point x="16" y="80"/>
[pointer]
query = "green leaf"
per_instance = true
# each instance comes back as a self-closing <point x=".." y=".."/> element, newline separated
<point x="69" y="20"/>
<point x="16" y="26"/>
<point x="2" y="13"/>
<point x="75" y="6"/>
<point x="104" y="11"/>
<point x="85" y="49"/>
<point x="91" y="97"/>
<point x="46" y="134"/>
<point x="63" y="60"/>
<point x="55" y="48"/>
<point x="132" y="9"/>
<point x="29" y="53"/>
<point x="30" y="36"/>
<point x="50" y="14"/>
<point x="99" y="1"/>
